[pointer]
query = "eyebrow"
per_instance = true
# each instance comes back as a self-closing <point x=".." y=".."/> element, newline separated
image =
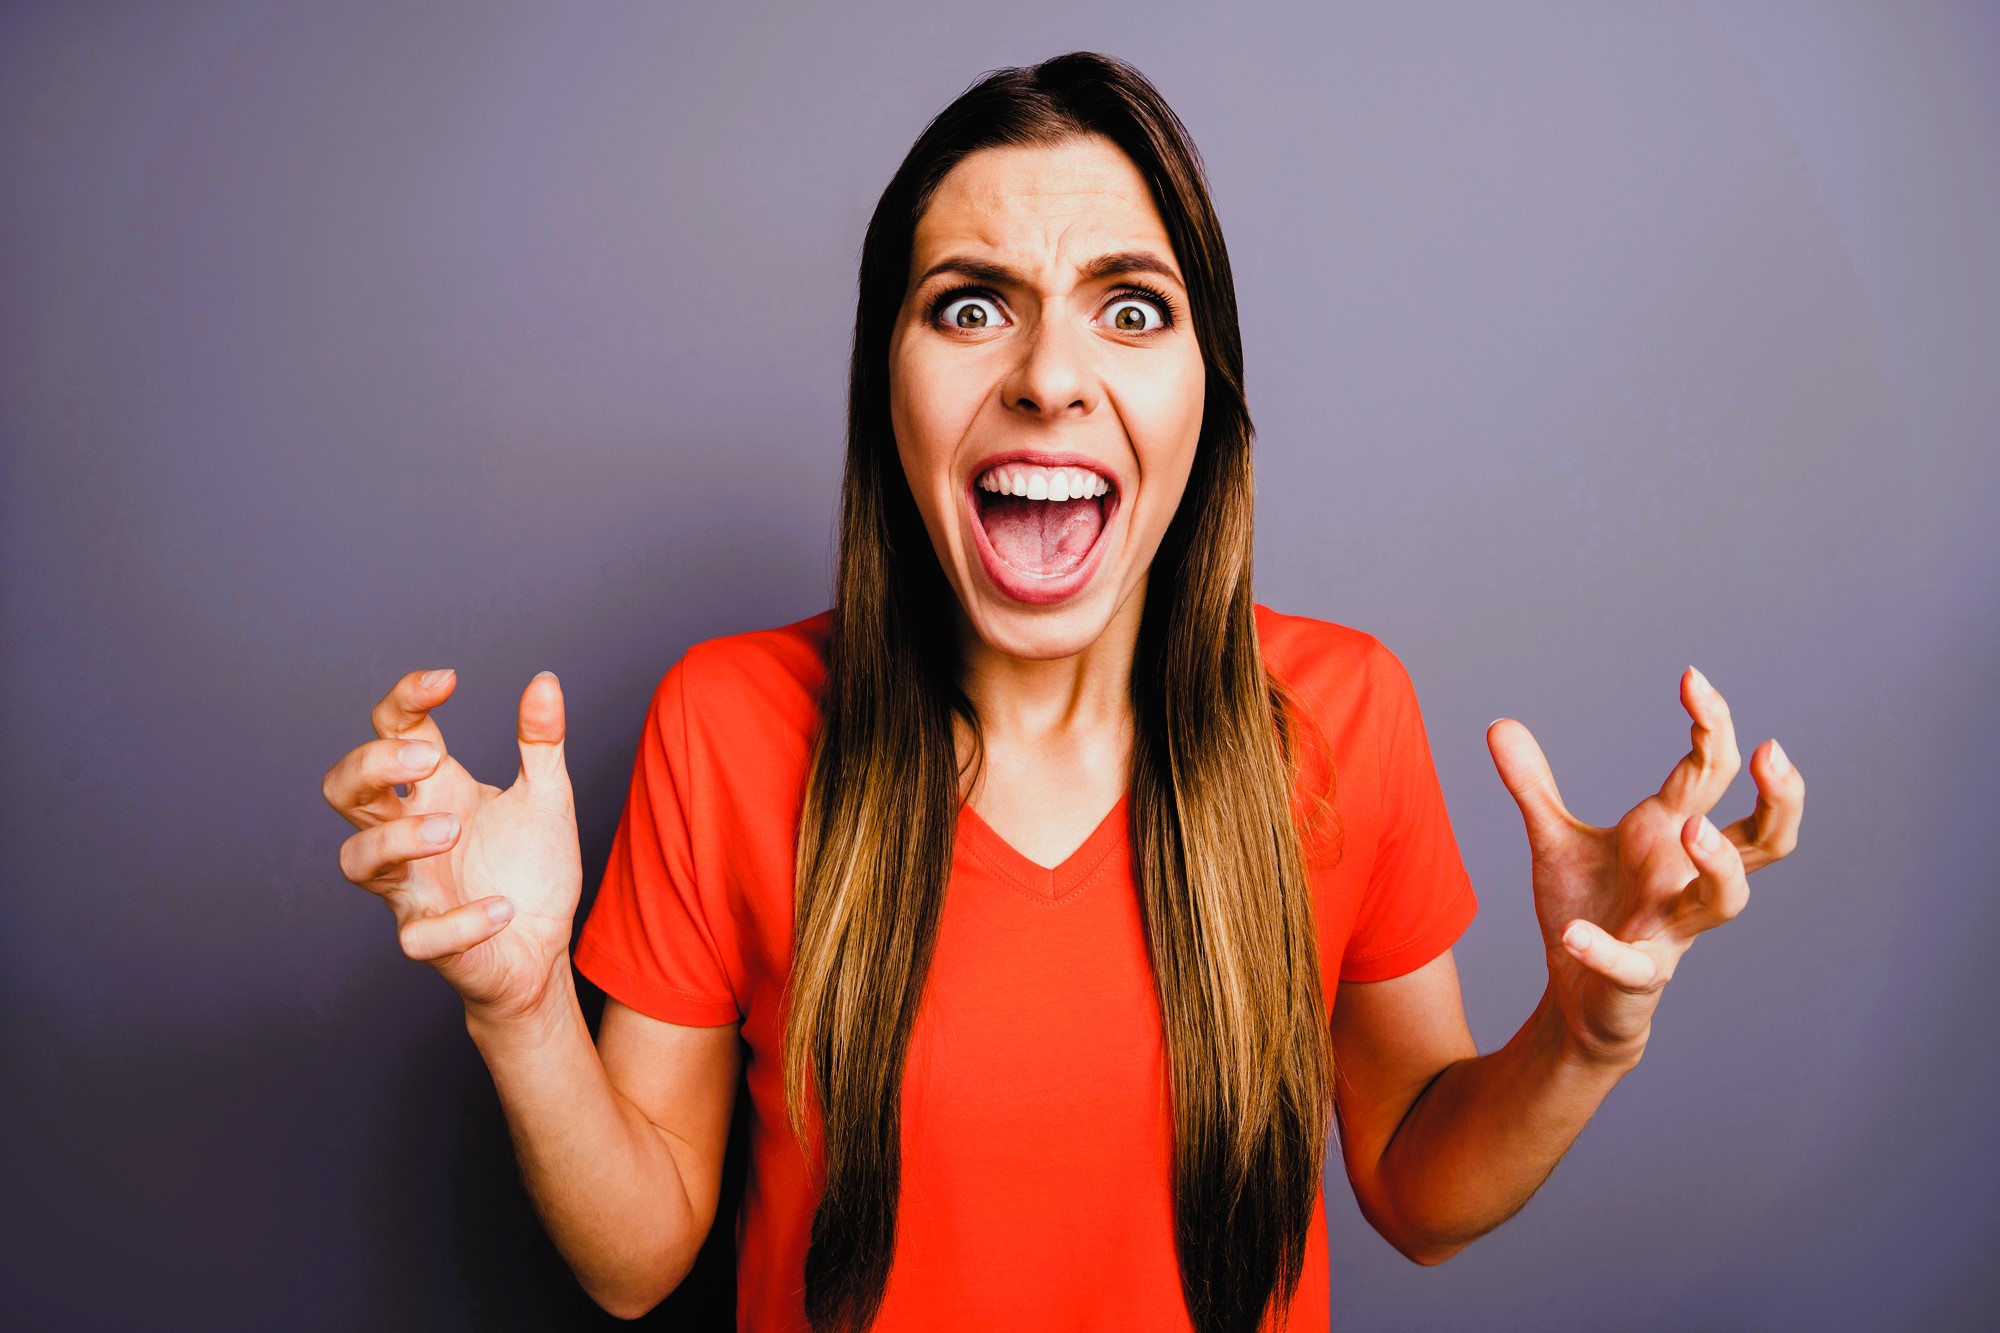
<point x="1118" y="263"/>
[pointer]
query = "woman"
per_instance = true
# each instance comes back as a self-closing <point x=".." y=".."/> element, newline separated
<point x="1059" y="895"/>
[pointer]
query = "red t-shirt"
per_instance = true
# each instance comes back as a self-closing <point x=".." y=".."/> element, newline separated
<point x="1037" y="1186"/>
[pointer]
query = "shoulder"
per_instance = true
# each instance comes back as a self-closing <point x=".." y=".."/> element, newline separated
<point x="777" y="665"/>
<point x="1332" y="667"/>
<point x="760" y="685"/>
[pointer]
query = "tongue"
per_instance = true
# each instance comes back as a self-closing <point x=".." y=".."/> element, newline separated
<point x="1044" y="537"/>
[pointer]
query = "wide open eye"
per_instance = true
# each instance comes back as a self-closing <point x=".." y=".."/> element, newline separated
<point x="972" y="312"/>
<point x="1135" y="314"/>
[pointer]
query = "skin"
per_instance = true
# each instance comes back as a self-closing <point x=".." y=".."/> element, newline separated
<point x="621" y="1141"/>
<point x="1051" y="370"/>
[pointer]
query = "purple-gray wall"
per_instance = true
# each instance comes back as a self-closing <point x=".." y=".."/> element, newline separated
<point x="1584" y="342"/>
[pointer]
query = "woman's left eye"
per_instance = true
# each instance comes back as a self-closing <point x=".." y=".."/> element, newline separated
<point x="1135" y="314"/>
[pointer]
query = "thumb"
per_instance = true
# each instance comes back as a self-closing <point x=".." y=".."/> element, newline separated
<point x="1526" y="772"/>
<point x="540" y="729"/>
<point x="429" y="938"/>
<point x="1623" y="965"/>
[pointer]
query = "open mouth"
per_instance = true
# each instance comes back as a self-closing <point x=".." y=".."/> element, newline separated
<point x="1040" y="525"/>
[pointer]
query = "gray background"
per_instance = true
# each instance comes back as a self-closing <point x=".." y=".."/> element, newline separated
<point x="1584" y="342"/>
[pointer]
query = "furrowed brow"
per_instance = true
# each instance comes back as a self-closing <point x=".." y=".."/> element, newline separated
<point x="1122" y="263"/>
<point x="1117" y="264"/>
<point x="978" y="270"/>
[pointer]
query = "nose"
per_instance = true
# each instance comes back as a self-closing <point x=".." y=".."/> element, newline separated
<point x="1053" y="377"/>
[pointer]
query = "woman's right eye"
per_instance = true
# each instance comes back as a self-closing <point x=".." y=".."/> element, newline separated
<point x="971" y="312"/>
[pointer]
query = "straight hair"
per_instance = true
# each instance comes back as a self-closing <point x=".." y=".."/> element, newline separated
<point x="1219" y="849"/>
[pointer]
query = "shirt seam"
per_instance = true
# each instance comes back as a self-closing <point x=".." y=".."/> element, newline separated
<point x="1012" y="877"/>
<point x="597" y="956"/>
<point x="1431" y="926"/>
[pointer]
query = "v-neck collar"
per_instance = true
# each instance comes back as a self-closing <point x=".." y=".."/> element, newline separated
<point x="1049" y="884"/>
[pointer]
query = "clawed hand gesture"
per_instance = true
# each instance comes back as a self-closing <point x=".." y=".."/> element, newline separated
<point x="1619" y="906"/>
<point x="483" y="882"/>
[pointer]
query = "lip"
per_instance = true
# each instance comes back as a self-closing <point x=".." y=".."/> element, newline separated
<point x="1028" y="588"/>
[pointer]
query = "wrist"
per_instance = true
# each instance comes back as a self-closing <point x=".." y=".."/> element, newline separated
<point x="534" y="1021"/>
<point x="1564" y="1046"/>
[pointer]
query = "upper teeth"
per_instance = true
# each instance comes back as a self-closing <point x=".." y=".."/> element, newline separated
<point x="1044" y="483"/>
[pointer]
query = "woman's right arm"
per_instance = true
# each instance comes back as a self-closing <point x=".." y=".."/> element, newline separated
<point x="620" y="1143"/>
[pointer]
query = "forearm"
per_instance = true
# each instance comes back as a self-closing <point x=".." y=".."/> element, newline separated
<point x="1484" y="1135"/>
<point x="602" y="1177"/>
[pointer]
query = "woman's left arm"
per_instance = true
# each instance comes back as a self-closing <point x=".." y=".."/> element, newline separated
<point x="1443" y="1144"/>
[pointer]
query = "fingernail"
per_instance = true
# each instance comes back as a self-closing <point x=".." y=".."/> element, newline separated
<point x="437" y="829"/>
<point x="499" y="909"/>
<point x="1701" y="681"/>
<point x="417" y="755"/>
<point x="550" y="674"/>
<point x="1576" y="937"/>
<point x="1781" y="764"/>
<point x="432" y="679"/>
<point x="1706" y="837"/>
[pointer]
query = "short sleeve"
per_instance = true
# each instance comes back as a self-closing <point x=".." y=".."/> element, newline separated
<point x="654" y="939"/>
<point x="1419" y="898"/>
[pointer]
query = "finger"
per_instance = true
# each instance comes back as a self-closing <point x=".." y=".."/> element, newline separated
<point x="1623" y="965"/>
<point x="540" y="727"/>
<point x="1525" y="771"/>
<point x="362" y="786"/>
<point x="1705" y="772"/>
<point x="1720" y="888"/>
<point x="378" y="859"/>
<point x="405" y="711"/>
<point x="1769" y="832"/>
<point x="429" y="938"/>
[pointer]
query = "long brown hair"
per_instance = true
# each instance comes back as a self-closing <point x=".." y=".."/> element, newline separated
<point x="1218" y="855"/>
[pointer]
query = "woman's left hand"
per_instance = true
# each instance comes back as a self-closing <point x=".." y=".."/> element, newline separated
<point x="1619" y="906"/>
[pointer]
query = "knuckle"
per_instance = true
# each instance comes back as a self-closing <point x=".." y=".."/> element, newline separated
<point x="383" y="758"/>
<point x="360" y="863"/>
<point x="1647" y="986"/>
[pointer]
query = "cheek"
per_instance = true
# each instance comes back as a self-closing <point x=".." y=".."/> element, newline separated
<point x="937" y="395"/>
<point x="1163" y="413"/>
<point x="931" y="406"/>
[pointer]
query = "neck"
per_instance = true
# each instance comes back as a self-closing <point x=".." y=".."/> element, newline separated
<point x="1056" y="705"/>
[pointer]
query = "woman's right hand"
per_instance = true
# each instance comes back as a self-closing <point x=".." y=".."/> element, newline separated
<point x="483" y="883"/>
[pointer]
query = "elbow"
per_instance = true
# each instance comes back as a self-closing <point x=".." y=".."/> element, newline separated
<point x="1427" y="1254"/>
<point x="636" y="1298"/>
<point x="626" y="1311"/>
<point x="627" y="1305"/>
<point x="618" y="1304"/>
<point x="1415" y="1228"/>
<point x="1424" y="1248"/>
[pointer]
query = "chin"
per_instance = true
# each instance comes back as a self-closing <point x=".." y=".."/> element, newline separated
<point x="1039" y="634"/>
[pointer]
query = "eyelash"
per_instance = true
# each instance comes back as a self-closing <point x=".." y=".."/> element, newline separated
<point x="1169" y="314"/>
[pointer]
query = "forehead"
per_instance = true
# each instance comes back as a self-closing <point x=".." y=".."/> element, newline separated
<point x="1041" y="205"/>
